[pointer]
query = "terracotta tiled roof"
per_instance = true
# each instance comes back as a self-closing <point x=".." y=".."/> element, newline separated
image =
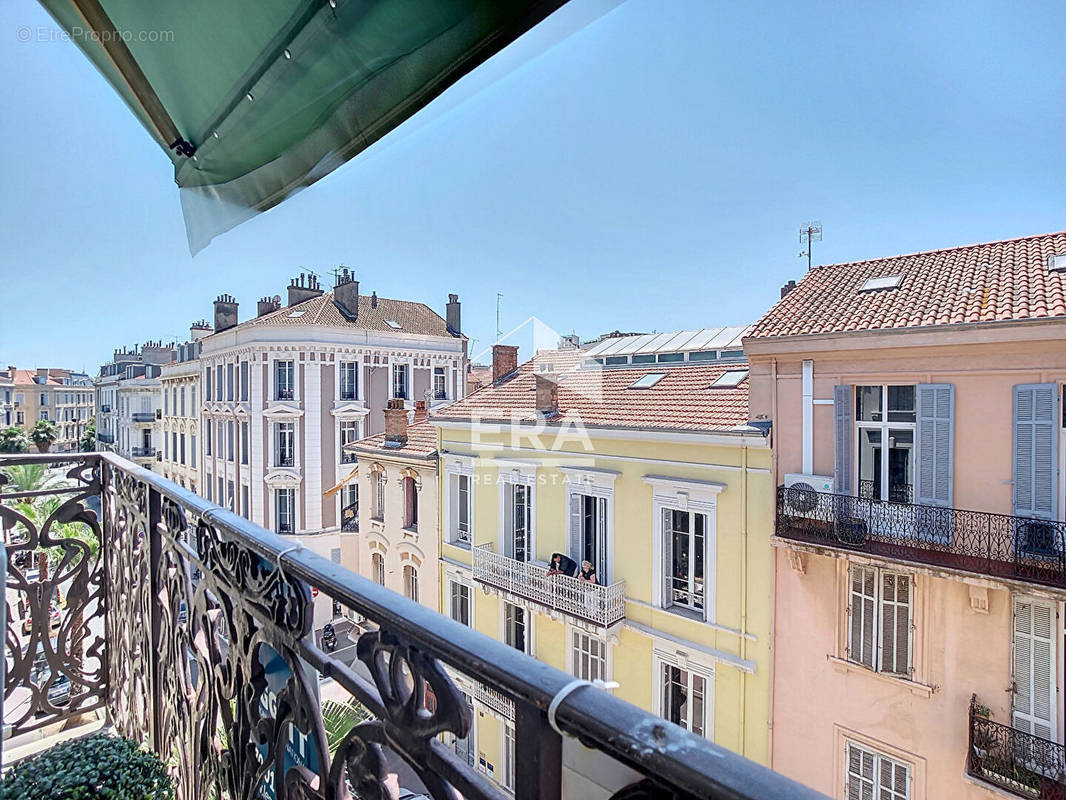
<point x="416" y="318"/>
<point x="22" y="376"/>
<point x="421" y="442"/>
<point x="997" y="281"/>
<point x="681" y="400"/>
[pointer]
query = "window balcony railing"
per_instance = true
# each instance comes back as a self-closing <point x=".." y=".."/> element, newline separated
<point x="105" y="438"/>
<point x="105" y="409"/>
<point x="190" y="629"/>
<point x="998" y="545"/>
<point x="1018" y="762"/>
<point x="143" y="416"/>
<point x="143" y="452"/>
<point x="350" y="517"/>
<point x="283" y="394"/>
<point x="592" y="602"/>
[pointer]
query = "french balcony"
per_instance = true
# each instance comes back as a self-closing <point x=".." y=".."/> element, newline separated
<point x="350" y="517"/>
<point x="1015" y="761"/>
<point x="105" y="438"/>
<point x="603" y="606"/>
<point x="105" y="409"/>
<point x="142" y="452"/>
<point x="189" y="630"/>
<point x="997" y="545"/>
<point x="143" y="416"/>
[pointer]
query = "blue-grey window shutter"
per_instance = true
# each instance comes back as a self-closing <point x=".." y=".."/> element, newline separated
<point x="843" y="423"/>
<point x="935" y="444"/>
<point x="1035" y="449"/>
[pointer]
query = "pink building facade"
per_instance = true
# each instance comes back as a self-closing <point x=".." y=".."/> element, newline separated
<point x="920" y="549"/>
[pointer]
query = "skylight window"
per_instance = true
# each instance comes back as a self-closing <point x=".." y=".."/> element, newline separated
<point x="729" y="379"/>
<point x="879" y="284"/>
<point x="393" y="324"/>
<point x="1057" y="262"/>
<point x="297" y="313"/>
<point x="647" y="381"/>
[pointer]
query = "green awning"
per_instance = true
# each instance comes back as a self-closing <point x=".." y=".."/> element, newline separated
<point x="255" y="99"/>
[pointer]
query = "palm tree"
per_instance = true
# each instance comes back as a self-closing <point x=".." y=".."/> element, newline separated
<point x="13" y="440"/>
<point x="339" y="718"/>
<point x="88" y="439"/>
<point x="43" y="434"/>
<point x="31" y="477"/>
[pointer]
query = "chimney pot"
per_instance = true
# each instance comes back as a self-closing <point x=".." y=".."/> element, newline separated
<point x="504" y="361"/>
<point x="374" y="299"/>
<point x="395" y="423"/>
<point x="303" y="288"/>
<point x="225" y="313"/>
<point x="452" y="315"/>
<point x="346" y="294"/>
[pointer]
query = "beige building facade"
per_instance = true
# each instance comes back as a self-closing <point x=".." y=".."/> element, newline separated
<point x="61" y="396"/>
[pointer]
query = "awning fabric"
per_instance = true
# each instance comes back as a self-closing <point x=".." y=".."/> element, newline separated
<point x="255" y="99"/>
<point x="351" y="476"/>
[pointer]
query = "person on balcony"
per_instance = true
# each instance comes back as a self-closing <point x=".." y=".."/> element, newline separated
<point x="561" y="565"/>
<point x="587" y="573"/>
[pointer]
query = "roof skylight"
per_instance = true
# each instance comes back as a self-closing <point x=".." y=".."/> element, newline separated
<point x="729" y="379"/>
<point x="393" y="324"/>
<point x="647" y="381"/>
<point x="879" y="284"/>
<point x="1057" y="262"/>
<point x="297" y="313"/>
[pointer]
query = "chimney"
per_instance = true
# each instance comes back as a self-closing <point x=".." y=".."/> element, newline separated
<point x="346" y="293"/>
<point x="267" y="305"/>
<point x="303" y="288"/>
<point x="788" y="287"/>
<point x="373" y="299"/>
<point x="420" y="410"/>
<point x="451" y="315"/>
<point x="504" y="361"/>
<point x="199" y="329"/>
<point x="547" y="396"/>
<point x="225" y="313"/>
<point x="395" y="424"/>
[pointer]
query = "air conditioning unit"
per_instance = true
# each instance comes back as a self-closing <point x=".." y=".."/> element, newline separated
<point x="801" y="494"/>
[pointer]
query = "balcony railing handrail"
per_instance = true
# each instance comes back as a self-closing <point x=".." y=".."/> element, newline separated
<point x="1022" y="763"/>
<point x="1030" y="549"/>
<point x="595" y="602"/>
<point x="162" y="521"/>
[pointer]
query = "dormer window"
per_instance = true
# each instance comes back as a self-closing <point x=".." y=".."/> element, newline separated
<point x="881" y="284"/>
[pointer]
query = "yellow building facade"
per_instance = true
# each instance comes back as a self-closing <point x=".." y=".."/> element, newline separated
<point x="673" y="522"/>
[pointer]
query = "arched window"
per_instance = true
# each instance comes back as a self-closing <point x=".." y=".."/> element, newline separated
<point x="410" y="582"/>
<point x="410" y="504"/>
<point x="377" y="565"/>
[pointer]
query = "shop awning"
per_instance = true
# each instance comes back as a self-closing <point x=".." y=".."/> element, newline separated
<point x="351" y="476"/>
<point x="255" y="99"/>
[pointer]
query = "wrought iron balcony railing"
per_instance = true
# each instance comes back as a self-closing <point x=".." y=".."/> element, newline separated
<point x="1019" y="762"/>
<point x="592" y="602"/>
<point x="999" y="545"/>
<point x="143" y="452"/>
<point x="143" y="416"/>
<point x="350" y="517"/>
<point x="105" y="408"/>
<point x="192" y="628"/>
<point x="105" y="438"/>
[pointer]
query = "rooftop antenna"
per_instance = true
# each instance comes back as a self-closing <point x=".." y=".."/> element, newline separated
<point x="811" y="232"/>
<point x="499" y="333"/>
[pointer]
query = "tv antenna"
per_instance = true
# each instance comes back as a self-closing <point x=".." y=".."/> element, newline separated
<point x="811" y="232"/>
<point x="499" y="333"/>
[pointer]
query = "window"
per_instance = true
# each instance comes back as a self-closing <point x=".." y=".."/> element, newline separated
<point x="218" y="383"/>
<point x="349" y="434"/>
<point x="647" y="381"/>
<point x="508" y="756"/>
<point x="589" y="532"/>
<point x="221" y="488"/>
<point x="44" y="399"/>
<point x="183" y="401"/>
<point x="244" y="381"/>
<point x="684" y="698"/>
<point x="283" y="380"/>
<point x="377" y="567"/>
<point x="515" y="629"/>
<point x="879" y="635"/>
<point x="460" y="602"/>
<point x="460" y="511"/>
<point x="192" y="450"/>
<point x="729" y="379"/>
<point x="20" y="417"/>
<point x="284" y="444"/>
<point x="377" y="510"/>
<point x="518" y="518"/>
<point x="349" y="384"/>
<point x="229" y="381"/>
<point x="873" y="776"/>
<point x="410" y="503"/>
<point x="44" y="414"/>
<point x="174" y="447"/>
<point x="207" y="438"/>
<point x="393" y="324"/>
<point x="399" y="381"/>
<point x="207" y="485"/>
<point x="229" y="496"/>
<point x="244" y="501"/>
<point x="878" y="284"/>
<point x="192" y="401"/>
<point x="284" y="502"/>
<point x="464" y="748"/>
<point x="244" y="442"/>
<point x="229" y="442"/>
<point x="166" y="403"/>
<point x="684" y="540"/>
<point x="885" y="426"/>
<point x="440" y="386"/>
<point x="589" y="656"/>
<point x="410" y="582"/>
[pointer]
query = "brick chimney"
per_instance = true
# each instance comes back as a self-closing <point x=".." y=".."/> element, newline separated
<point x="452" y="315"/>
<point x="788" y="287"/>
<point x="547" y="396"/>
<point x="420" y="410"/>
<point x="303" y="288"/>
<point x="504" y="361"/>
<point x="267" y="305"/>
<point x="346" y="293"/>
<point x="395" y="423"/>
<point x="225" y="312"/>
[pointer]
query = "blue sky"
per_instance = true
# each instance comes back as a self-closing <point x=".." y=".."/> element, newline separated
<point x="649" y="171"/>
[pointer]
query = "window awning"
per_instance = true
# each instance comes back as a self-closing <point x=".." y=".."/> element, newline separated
<point x="256" y="99"/>
<point x="351" y="476"/>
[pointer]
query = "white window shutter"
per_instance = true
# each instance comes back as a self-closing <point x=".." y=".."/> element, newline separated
<point x="1035" y="456"/>
<point x="843" y="422"/>
<point x="668" y="557"/>
<point x="575" y="528"/>
<point x="863" y="623"/>
<point x="508" y="520"/>
<point x="895" y="623"/>
<point x="453" y="507"/>
<point x="935" y="443"/>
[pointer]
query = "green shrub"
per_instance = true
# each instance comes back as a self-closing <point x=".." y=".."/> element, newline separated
<point x="97" y="767"/>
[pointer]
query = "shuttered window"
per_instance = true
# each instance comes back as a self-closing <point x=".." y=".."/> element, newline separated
<point x="874" y="776"/>
<point x="843" y="422"/>
<point x="879" y="619"/>
<point x="460" y="517"/>
<point x="935" y="443"/>
<point x="1035" y="456"/>
<point x="1033" y="667"/>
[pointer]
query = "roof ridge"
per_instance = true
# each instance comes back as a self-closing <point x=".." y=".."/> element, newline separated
<point x="940" y="250"/>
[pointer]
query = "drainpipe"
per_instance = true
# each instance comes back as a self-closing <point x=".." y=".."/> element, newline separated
<point x="743" y="592"/>
<point x="773" y="571"/>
